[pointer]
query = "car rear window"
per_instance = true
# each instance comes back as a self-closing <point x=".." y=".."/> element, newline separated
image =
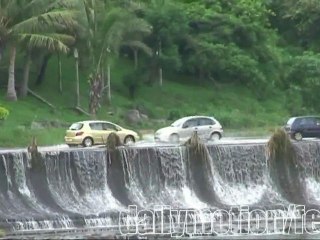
<point x="307" y="121"/>
<point x="206" y="122"/>
<point x="76" y="126"/>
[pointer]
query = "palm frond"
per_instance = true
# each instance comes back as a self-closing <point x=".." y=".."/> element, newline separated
<point x="114" y="37"/>
<point x="59" y="19"/>
<point x="138" y="25"/>
<point x="51" y="41"/>
<point x="122" y="27"/>
<point x="36" y="7"/>
<point x="139" y="45"/>
<point x="11" y="8"/>
<point x="115" y="15"/>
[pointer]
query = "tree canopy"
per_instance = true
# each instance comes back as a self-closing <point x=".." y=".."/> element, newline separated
<point x="264" y="45"/>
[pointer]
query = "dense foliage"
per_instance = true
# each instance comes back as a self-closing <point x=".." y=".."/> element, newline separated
<point x="264" y="45"/>
<point x="3" y="113"/>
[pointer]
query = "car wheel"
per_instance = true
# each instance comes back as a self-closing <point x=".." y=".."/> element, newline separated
<point x="129" y="139"/>
<point x="174" y="138"/>
<point x="87" y="142"/>
<point x="297" y="136"/>
<point x="215" y="136"/>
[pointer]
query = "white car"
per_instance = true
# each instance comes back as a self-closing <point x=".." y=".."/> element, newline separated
<point x="208" y="128"/>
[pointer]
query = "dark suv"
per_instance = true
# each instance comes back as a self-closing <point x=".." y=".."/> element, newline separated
<point x="303" y="127"/>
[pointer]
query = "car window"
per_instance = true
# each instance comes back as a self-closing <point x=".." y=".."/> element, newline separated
<point x="76" y="126"/>
<point x="307" y="121"/>
<point x="96" y="126"/>
<point x="317" y="121"/>
<point x="190" y="123"/>
<point x="109" y="126"/>
<point x="290" y="121"/>
<point x="177" y="123"/>
<point x="206" y="122"/>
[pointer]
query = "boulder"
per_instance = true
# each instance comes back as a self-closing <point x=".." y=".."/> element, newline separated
<point x="144" y="117"/>
<point x="36" y="125"/>
<point x="133" y="116"/>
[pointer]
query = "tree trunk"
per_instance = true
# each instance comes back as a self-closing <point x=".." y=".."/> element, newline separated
<point x="103" y="79"/>
<point x="108" y="84"/>
<point x="2" y="48"/>
<point x="43" y="69"/>
<point x="95" y="93"/>
<point x="200" y="74"/>
<point x="59" y="73"/>
<point x="135" y="54"/>
<point x="1" y="52"/>
<point x="11" y="91"/>
<point x="77" y="84"/>
<point x="160" y="77"/>
<point x="25" y="81"/>
<point x="160" y="68"/>
<point x="132" y="90"/>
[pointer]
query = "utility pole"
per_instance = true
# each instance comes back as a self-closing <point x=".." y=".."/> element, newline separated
<point x="160" y="68"/>
<point x="108" y="76"/>
<point x="76" y="57"/>
<point x="60" y="73"/>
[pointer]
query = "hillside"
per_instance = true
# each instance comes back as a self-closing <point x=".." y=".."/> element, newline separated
<point x="236" y="107"/>
<point x="250" y="64"/>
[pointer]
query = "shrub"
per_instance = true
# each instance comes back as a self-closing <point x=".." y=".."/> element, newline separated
<point x="2" y="233"/>
<point x="303" y="77"/>
<point x="3" y="113"/>
<point x="173" y="115"/>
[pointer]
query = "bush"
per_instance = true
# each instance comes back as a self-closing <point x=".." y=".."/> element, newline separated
<point x="173" y="115"/>
<point x="304" y="78"/>
<point x="3" y="113"/>
<point x="132" y="82"/>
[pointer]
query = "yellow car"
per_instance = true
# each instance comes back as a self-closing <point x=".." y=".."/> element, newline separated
<point x="88" y="133"/>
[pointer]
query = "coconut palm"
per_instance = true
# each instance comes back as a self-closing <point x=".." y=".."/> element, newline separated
<point x="111" y="25"/>
<point x="34" y="24"/>
<point x="122" y="28"/>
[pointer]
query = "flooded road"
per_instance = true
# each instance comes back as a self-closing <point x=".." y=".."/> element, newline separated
<point x="148" y="141"/>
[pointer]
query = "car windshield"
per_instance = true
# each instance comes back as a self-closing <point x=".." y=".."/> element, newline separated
<point x="290" y="121"/>
<point x="76" y="126"/>
<point x="177" y="123"/>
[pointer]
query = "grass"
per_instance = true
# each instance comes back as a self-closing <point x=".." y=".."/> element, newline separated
<point x="234" y="106"/>
<point x="2" y="233"/>
<point x="280" y="147"/>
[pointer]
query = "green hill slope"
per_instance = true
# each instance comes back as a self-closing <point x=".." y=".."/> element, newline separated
<point x="234" y="106"/>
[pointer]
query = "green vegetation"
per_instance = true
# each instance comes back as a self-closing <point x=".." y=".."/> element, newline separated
<point x="113" y="141"/>
<point x="2" y="233"/>
<point x="280" y="147"/>
<point x="3" y="113"/>
<point x="235" y="107"/>
<point x="251" y="64"/>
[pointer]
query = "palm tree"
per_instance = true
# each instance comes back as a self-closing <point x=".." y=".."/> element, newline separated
<point x="47" y="42"/>
<point x="34" y="24"/>
<point x="110" y="26"/>
<point x="123" y="28"/>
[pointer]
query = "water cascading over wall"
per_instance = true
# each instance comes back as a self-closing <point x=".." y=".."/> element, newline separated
<point x="66" y="189"/>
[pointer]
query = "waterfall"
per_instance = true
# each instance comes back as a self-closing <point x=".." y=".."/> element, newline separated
<point x="88" y="188"/>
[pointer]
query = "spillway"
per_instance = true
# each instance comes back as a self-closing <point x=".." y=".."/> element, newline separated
<point x="73" y="189"/>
